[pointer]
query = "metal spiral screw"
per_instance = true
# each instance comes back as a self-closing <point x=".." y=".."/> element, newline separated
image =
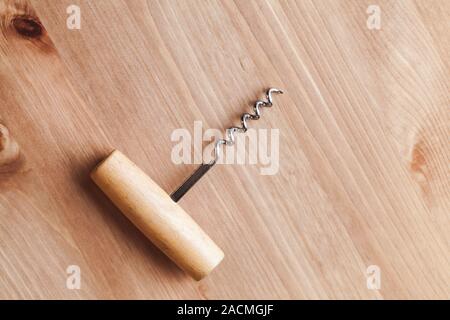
<point x="228" y="141"/>
<point x="230" y="132"/>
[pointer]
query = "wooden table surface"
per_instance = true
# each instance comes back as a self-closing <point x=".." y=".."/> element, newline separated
<point x="364" y="150"/>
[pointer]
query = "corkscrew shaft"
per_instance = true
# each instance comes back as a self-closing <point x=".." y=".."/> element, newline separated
<point x="228" y="141"/>
<point x="189" y="183"/>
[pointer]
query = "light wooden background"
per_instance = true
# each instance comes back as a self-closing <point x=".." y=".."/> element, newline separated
<point x="364" y="145"/>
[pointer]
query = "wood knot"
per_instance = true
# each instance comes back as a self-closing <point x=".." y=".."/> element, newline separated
<point x="19" y="21"/>
<point x="429" y="158"/>
<point x="9" y="149"/>
<point x="418" y="163"/>
<point x="28" y="26"/>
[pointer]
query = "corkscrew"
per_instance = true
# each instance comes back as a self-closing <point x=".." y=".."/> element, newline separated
<point x="227" y="141"/>
<point x="157" y="214"/>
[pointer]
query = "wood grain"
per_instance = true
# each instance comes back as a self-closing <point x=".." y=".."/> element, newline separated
<point x="364" y="145"/>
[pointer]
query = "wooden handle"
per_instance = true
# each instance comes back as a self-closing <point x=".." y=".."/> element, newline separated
<point x="152" y="210"/>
